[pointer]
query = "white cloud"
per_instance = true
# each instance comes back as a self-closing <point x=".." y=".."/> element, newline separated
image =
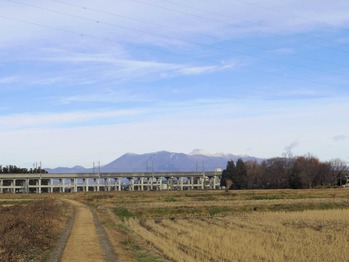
<point x="8" y="80"/>
<point x="162" y="97"/>
<point x="340" y="137"/>
<point x="178" y="24"/>
<point x="343" y="40"/>
<point x="94" y="67"/>
<point x="206" y="69"/>
<point x="114" y="97"/>
<point x="180" y="132"/>
<point x="284" y="51"/>
<point x="46" y="120"/>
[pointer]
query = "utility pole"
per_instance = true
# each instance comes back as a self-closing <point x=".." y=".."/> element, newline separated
<point x="40" y="171"/>
<point x="99" y="169"/>
<point x="152" y="172"/>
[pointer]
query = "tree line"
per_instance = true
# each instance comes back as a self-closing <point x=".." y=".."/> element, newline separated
<point x="10" y="169"/>
<point x="284" y="172"/>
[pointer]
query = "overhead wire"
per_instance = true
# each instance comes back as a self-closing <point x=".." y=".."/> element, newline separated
<point x="289" y="14"/>
<point x="209" y="46"/>
<point x="230" y="24"/>
<point x="137" y="46"/>
<point x="252" y="22"/>
<point x="97" y="37"/>
<point x="132" y="18"/>
<point x="218" y="21"/>
<point x="153" y="49"/>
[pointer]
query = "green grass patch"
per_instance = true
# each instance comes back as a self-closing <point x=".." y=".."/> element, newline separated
<point x="170" y="199"/>
<point x="266" y="197"/>
<point x="218" y="210"/>
<point x="177" y="211"/>
<point x="122" y="226"/>
<point x="144" y="257"/>
<point x="300" y="207"/>
<point x="123" y="213"/>
<point x="14" y="202"/>
<point x="206" y="198"/>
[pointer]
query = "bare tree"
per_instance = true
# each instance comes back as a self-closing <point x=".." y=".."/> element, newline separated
<point x="308" y="167"/>
<point x="254" y="174"/>
<point x="338" y="170"/>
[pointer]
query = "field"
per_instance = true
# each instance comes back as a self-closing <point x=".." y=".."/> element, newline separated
<point x="280" y="236"/>
<point x="30" y="228"/>
<point x="253" y="225"/>
<point x="270" y="225"/>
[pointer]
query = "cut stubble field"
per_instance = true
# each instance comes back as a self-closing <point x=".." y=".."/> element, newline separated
<point x="252" y="225"/>
<point x="279" y="236"/>
<point x="260" y="225"/>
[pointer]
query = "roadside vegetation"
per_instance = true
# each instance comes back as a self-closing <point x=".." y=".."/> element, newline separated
<point x="29" y="230"/>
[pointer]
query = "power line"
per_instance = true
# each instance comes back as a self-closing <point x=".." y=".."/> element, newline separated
<point x="249" y="21"/>
<point x="95" y="37"/>
<point x="132" y="18"/>
<point x="41" y="25"/>
<point x="151" y="49"/>
<point x="289" y="14"/>
<point x="229" y="24"/>
<point x="185" y="41"/>
<point x="180" y="29"/>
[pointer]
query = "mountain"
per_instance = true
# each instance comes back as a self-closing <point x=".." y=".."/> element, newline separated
<point x="75" y="169"/>
<point x="163" y="161"/>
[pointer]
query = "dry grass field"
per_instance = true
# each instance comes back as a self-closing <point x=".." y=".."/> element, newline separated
<point x="30" y="229"/>
<point x="246" y="225"/>
<point x="261" y="225"/>
<point x="272" y="236"/>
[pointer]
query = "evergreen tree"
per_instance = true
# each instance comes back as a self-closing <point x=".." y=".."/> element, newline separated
<point x="228" y="174"/>
<point x="240" y="176"/>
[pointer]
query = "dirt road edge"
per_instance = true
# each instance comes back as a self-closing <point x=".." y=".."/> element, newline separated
<point x="103" y="237"/>
<point x="57" y="252"/>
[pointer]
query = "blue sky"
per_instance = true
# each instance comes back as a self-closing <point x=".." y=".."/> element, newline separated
<point x="91" y="80"/>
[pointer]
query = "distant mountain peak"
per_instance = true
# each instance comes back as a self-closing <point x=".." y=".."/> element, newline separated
<point x="162" y="161"/>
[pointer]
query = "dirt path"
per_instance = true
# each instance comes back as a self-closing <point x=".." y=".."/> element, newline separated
<point x="87" y="240"/>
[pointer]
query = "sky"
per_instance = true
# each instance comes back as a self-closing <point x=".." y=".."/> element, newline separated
<point x="87" y="81"/>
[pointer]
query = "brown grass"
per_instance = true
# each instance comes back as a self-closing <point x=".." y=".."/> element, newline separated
<point x="29" y="231"/>
<point x="273" y="236"/>
<point x="253" y="225"/>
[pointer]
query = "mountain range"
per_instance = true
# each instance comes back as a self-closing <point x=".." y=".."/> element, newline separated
<point x="163" y="161"/>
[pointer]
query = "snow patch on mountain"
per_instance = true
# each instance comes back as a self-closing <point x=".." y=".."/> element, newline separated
<point x="198" y="151"/>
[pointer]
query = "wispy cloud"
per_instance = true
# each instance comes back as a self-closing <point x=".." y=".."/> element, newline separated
<point x="46" y="120"/>
<point x="197" y="70"/>
<point x="111" y="67"/>
<point x="47" y="81"/>
<point x="293" y="92"/>
<point x="190" y="75"/>
<point x="8" y="80"/>
<point x="105" y="97"/>
<point x="284" y="51"/>
<point x="340" y="138"/>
